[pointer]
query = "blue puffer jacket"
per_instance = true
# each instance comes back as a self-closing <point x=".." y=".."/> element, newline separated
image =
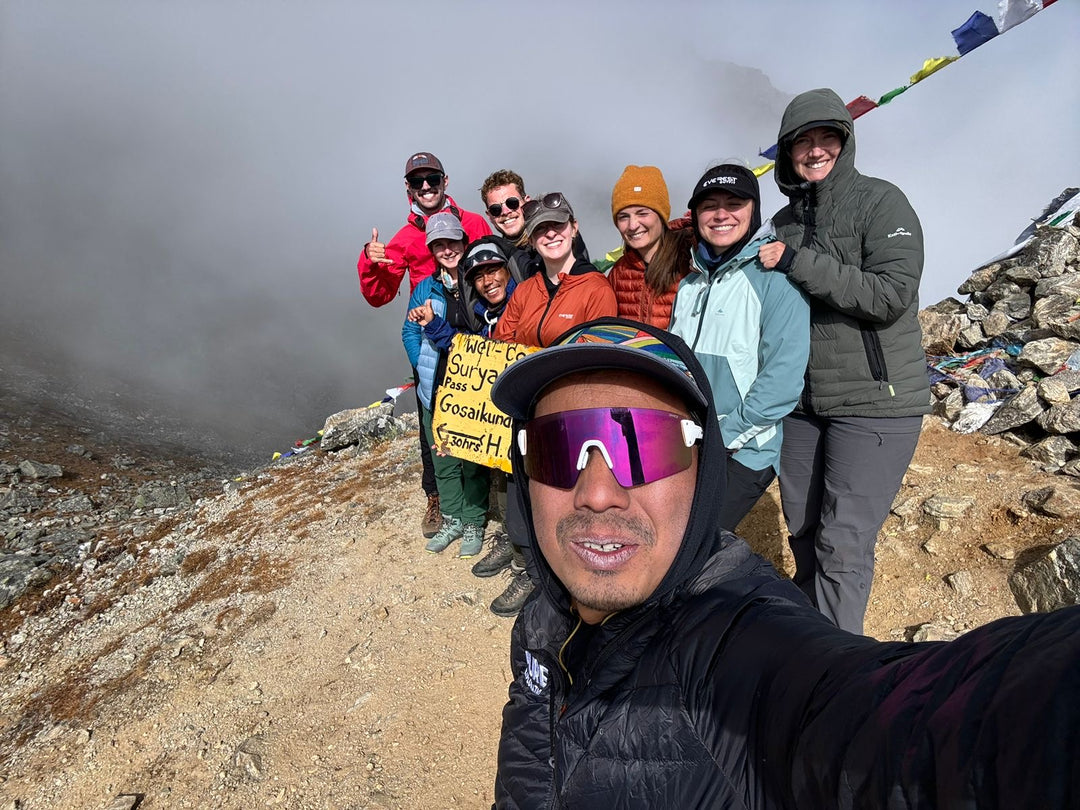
<point x="750" y="328"/>
<point x="423" y="353"/>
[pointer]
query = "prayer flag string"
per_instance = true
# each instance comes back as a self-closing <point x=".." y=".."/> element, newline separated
<point x="977" y="30"/>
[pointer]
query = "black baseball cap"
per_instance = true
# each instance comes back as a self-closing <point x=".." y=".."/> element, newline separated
<point x="605" y="343"/>
<point x="482" y="254"/>
<point x="837" y="125"/>
<point x="730" y="177"/>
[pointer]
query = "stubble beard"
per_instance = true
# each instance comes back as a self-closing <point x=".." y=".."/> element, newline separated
<point x="601" y="590"/>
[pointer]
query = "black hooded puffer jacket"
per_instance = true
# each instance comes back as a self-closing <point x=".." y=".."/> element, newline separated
<point x="860" y="258"/>
<point x="727" y="690"/>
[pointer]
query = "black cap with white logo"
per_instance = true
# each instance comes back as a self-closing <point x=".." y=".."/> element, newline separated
<point x="730" y="177"/>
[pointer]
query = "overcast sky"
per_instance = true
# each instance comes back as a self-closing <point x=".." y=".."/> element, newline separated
<point x="184" y="188"/>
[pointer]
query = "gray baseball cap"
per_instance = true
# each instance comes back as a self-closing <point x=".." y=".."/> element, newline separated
<point x="443" y="225"/>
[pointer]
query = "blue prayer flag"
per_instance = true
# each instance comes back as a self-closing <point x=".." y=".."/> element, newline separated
<point x="978" y="30"/>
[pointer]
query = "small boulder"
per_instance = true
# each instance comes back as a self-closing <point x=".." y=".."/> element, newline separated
<point x="38" y="470"/>
<point x="1048" y="355"/>
<point x="360" y="426"/>
<point x="947" y="506"/>
<point x="1051" y="582"/>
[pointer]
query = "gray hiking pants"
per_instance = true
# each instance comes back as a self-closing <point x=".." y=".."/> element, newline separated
<point x="838" y="479"/>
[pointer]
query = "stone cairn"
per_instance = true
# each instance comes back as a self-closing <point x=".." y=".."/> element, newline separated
<point x="1007" y="361"/>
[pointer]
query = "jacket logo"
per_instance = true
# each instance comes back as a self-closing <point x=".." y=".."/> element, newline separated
<point x="901" y="231"/>
<point x="567" y="315"/>
<point x="536" y="674"/>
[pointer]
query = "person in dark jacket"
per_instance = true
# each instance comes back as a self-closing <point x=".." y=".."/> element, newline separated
<point x="854" y="245"/>
<point x="488" y="273"/>
<point x="566" y="290"/>
<point x="661" y="663"/>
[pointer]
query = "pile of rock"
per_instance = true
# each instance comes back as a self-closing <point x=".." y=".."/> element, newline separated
<point x="1007" y="360"/>
<point x="62" y="521"/>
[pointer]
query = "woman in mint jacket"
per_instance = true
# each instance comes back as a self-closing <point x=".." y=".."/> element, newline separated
<point x="749" y="328"/>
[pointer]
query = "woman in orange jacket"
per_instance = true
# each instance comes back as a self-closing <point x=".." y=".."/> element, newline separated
<point x="656" y="255"/>
<point x="568" y="292"/>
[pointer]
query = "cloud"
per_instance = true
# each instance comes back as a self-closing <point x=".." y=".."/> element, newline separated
<point x="184" y="189"/>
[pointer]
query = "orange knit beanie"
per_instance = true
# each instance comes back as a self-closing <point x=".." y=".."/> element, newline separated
<point x="641" y="185"/>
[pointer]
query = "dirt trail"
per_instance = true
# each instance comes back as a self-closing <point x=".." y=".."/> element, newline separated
<point x="307" y="653"/>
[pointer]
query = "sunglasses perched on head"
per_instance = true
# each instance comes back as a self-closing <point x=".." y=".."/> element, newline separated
<point x="639" y="445"/>
<point x="554" y="201"/>
<point x="416" y="181"/>
<point x="511" y="203"/>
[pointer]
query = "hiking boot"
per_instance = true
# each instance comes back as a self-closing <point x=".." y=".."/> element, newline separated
<point x="497" y="558"/>
<point x="509" y="602"/>
<point x="451" y="530"/>
<point x="433" y="518"/>
<point x="472" y="541"/>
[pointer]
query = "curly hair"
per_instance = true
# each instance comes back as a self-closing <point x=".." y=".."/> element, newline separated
<point x="502" y="177"/>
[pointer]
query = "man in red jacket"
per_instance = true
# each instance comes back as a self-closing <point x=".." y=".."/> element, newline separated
<point x="382" y="265"/>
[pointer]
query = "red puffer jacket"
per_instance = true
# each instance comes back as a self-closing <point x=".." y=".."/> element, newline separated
<point x="535" y="315"/>
<point x="409" y="252"/>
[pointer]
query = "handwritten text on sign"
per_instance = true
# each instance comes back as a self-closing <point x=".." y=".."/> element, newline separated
<point x="465" y="424"/>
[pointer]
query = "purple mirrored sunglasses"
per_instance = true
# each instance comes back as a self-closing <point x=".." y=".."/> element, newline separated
<point x="639" y="445"/>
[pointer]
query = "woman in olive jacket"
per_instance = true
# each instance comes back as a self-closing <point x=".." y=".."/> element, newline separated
<point x="854" y="245"/>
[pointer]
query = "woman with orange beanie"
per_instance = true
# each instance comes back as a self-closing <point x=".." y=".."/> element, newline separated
<point x="656" y="255"/>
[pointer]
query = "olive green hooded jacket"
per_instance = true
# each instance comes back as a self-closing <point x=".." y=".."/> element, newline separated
<point x="859" y="256"/>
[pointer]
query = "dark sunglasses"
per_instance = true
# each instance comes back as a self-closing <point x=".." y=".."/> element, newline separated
<point x="511" y="203"/>
<point x="554" y="201"/>
<point x="416" y="181"/>
<point x="639" y="445"/>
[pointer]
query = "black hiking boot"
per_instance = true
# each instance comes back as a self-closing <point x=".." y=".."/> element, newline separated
<point x="497" y="558"/>
<point x="509" y="602"/>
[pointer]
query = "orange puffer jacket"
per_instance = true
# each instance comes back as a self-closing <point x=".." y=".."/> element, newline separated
<point x="535" y="314"/>
<point x="639" y="302"/>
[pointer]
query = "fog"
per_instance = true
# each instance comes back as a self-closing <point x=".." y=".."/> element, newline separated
<point x="184" y="189"/>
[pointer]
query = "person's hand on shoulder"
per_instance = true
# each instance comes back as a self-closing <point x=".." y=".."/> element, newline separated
<point x="772" y="256"/>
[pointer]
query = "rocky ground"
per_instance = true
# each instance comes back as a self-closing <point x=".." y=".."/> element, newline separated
<point x="176" y="637"/>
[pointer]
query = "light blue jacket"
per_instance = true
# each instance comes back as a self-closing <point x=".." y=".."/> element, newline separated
<point x="750" y="328"/>
<point x="423" y="353"/>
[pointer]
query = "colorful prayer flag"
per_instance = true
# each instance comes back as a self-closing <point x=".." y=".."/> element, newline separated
<point x="1014" y="12"/>
<point x="977" y="30"/>
<point x="765" y="168"/>
<point x="932" y="66"/>
<point x="770" y="153"/>
<point x="857" y="106"/>
<point x="885" y="99"/>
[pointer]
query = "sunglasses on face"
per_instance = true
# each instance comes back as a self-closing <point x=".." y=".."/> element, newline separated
<point x="511" y="203"/>
<point x="639" y="445"/>
<point x="416" y="181"/>
<point x="554" y="201"/>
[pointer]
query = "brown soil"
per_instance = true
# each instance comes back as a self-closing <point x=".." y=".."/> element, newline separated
<point x="307" y="653"/>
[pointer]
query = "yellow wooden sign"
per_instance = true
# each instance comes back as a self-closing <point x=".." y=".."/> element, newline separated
<point x="465" y="424"/>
